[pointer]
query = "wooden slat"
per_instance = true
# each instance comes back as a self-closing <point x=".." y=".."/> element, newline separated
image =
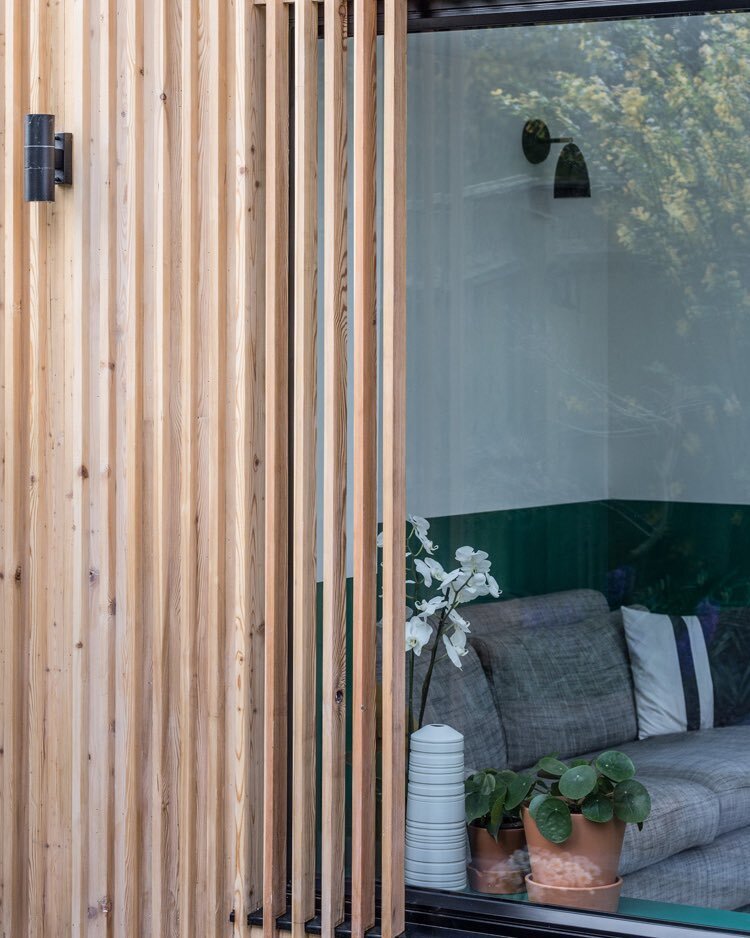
<point x="2" y="455"/>
<point x="394" y="464"/>
<point x="16" y="466"/>
<point x="40" y="479"/>
<point x="101" y="695"/>
<point x="365" y="470"/>
<point x="171" y="801"/>
<point x="187" y="490"/>
<point x="212" y="485"/>
<point x="335" y="460"/>
<point x="159" y="92"/>
<point x="76" y="115"/>
<point x="129" y="394"/>
<point x="277" y="467"/>
<point x="304" y="778"/>
<point x="244" y="617"/>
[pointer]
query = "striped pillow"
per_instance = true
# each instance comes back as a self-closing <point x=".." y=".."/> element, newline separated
<point x="674" y="691"/>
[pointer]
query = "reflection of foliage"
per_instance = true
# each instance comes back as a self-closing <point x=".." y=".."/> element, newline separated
<point x="675" y="558"/>
<point x="690" y="559"/>
<point x="729" y="651"/>
<point x="661" y="111"/>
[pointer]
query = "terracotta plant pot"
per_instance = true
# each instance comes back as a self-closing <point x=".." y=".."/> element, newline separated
<point x="497" y="866"/>
<point x="598" y="898"/>
<point x="590" y="857"/>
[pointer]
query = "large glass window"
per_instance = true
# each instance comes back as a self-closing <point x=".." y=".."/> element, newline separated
<point x="578" y="395"/>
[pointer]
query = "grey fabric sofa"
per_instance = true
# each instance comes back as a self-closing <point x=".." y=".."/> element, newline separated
<point x="551" y="674"/>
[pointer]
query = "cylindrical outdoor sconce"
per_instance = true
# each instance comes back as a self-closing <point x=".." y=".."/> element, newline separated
<point x="48" y="158"/>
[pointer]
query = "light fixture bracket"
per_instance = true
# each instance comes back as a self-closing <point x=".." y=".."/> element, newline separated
<point x="537" y="141"/>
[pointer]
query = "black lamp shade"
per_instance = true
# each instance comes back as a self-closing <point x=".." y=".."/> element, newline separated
<point x="572" y="175"/>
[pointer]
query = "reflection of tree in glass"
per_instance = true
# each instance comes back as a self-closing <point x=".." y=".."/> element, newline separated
<point x="662" y="112"/>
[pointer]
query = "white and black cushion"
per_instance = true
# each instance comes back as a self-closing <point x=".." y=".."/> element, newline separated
<point x="674" y="690"/>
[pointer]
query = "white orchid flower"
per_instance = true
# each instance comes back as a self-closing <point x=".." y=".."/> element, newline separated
<point x="428" y="607"/>
<point x="449" y="580"/>
<point x="418" y="633"/>
<point x="473" y="561"/>
<point x="459" y="621"/>
<point x="493" y="586"/>
<point x="429" y="569"/>
<point x="475" y="586"/>
<point x="420" y="527"/>
<point x="380" y="540"/>
<point x="456" y="647"/>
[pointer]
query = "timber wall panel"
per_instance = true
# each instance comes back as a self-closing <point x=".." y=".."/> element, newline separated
<point x="149" y="481"/>
<point x="305" y="161"/>
<point x="275" y="713"/>
<point x="365" y="475"/>
<point x="132" y="475"/>
<point x="335" y="331"/>
<point x="394" y="465"/>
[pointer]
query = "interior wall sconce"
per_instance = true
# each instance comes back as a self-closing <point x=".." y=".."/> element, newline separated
<point x="48" y="158"/>
<point x="571" y="174"/>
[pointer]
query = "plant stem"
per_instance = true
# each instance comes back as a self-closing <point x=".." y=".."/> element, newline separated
<point x="430" y="667"/>
<point x="411" y="694"/>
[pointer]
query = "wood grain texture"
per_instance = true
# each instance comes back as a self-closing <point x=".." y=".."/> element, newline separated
<point x="118" y="382"/>
<point x="187" y="781"/>
<point x="394" y="465"/>
<point x="159" y="90"/>
<point x="275" y="712"/>
<point x="99" y="886"/>
<point x="304" y="613"/>
<point x="333" y="801"/>
<point x="128" y="462"/>
<point x="41" y="486"/>
<point x="364" y="470"/>
<point x="76" y="313"/>
<point x="245" y="482"/>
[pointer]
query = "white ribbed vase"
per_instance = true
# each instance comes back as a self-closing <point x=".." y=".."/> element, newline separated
<point x="435" y="820"/>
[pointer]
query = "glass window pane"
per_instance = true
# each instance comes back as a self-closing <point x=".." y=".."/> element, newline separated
<point x="578" y="392"/>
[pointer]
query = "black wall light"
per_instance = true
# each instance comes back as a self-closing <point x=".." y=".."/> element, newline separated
<point x="48" y="159"/>
<point x="571" y="174"/>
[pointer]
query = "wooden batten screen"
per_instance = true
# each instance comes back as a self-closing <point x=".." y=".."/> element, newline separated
<point x="160" y="711"/>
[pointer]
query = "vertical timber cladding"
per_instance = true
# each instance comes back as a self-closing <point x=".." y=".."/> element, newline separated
<point x="132" y="481"/>
<point x="145" y="483"/>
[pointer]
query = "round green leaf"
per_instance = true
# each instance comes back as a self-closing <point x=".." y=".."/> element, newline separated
<point x="553" y="820"/>
<point x="578" y="782"/>
<point x="518" y="790"/>
<point x="615" y="765"/>
<point x="497" y="811"/>
<point x="579" y="762"/>
<point x="598" y="807"/>
<point x="549" y="765"/>
<point x="535" y="802"/>
<point x="477" y="805"/>
<point x="632" y="802"/>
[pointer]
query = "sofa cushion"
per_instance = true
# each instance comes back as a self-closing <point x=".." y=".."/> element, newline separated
<point x="560" y="686"/>
<point x="683" y="815"/>
<point x="715" y="876"/>
<point x="674" y="690"/>
<point x="718" y="759"/>
<point x="548" y="609"/>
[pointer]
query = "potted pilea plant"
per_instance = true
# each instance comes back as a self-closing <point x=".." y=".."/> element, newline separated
<point x="499" y="860"/>
<point x="574" y="817"/>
